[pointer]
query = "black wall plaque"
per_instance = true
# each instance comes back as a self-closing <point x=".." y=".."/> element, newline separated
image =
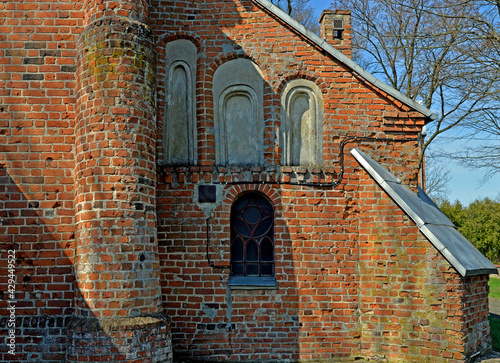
<point x="207" y="194"/>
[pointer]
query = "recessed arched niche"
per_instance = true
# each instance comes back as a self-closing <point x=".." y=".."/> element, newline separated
<point x="179" y="132"/>
<point x="238" y="117"/>
<point x="301" y="134"/>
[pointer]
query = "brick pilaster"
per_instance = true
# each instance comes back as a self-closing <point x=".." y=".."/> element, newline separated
<point x="118" y="300"/>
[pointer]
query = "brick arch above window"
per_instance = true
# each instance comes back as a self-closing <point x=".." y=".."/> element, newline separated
<point x="266" y="190"/>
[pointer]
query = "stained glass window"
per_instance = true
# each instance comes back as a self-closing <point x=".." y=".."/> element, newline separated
<point x="252" y="236"/>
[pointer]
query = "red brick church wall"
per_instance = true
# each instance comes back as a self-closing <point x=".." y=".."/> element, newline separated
<point x="337" y="249"/>
<point x="413" y="305"/>
<point x="37" y="120"/>
<point x="321" y="308"/>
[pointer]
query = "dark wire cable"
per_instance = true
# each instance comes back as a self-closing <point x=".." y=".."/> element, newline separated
<point x="208" y="249"/>
<point x="341" y="175"/>
<point x="362" y="138"/>
<point x="334" y="184"/>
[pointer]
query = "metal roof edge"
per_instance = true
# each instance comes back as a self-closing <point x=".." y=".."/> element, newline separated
<point x="345" y="60"/>
<point x="442" y="248"/>
<point x="387" y="188"/>
<point x="425" y="228"/>
<point x="478" y="272"/>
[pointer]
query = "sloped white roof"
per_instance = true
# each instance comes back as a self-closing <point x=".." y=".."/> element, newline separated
<point x="433" y="223"/>
<point x="323" y="44"/>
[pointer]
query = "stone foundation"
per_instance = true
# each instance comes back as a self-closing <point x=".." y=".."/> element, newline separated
<point x="143" y="339"/>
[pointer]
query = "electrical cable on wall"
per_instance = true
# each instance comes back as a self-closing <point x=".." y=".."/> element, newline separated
<point x="334" y="184"/>
<point x="341" y="157"/>
<point x="208" y="250"/>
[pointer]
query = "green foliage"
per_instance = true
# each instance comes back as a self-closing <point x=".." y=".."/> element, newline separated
<point x="494" y="288"/>
<point x="455" y="212"/>
<point x="495" y="333"/>
<point x="479" y="223"/>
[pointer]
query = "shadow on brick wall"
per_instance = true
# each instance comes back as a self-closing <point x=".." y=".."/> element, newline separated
<point x="211" y="321"/>
<point x="38" y="257"/>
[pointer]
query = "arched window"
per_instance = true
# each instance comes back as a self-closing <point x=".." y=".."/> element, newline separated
<point x="252" y="236"/>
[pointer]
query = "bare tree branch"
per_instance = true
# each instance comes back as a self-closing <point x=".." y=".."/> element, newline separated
<point x="442" y="52"/>
<point x="300" y="10"/>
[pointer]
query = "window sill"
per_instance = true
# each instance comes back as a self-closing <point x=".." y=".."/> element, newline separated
<point x="252" y="283"/>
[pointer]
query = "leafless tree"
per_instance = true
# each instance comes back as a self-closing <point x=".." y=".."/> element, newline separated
<point x="443" y="53"/>
<point x="484" y="153"/>
<point x="437" y="180"/>
<point x="300" y="10"/>
<point x="285" y="5"/>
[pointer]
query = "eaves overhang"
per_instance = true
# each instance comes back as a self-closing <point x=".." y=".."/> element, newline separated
<point x="433" y="223"/>
<point x="323" y="44"/>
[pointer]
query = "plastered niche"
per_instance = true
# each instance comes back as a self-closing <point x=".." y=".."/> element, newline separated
<point x="238" y="117"/>
<point x="179" y="133"/>
<point x="301" y="134"/>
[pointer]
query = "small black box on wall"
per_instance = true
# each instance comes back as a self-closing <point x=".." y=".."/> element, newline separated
<point x="207" y="194"/>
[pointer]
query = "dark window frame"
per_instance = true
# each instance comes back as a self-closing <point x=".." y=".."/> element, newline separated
<point x="252" y="246"/>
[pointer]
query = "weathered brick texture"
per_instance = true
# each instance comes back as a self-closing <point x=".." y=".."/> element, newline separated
<point x="116" y="262"/>
<point x="141" y="339"/>
<point x="111" y="242"/>
<point x="115" y="170"/>
<point x="327" y="303"/>
<point x="414" y="306"/>
<point x="37" y="100"/>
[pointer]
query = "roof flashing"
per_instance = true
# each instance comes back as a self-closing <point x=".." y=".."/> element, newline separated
<point x="433" y="223"/>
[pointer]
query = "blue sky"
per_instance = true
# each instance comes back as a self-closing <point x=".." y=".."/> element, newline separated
<point x="465" y="184"/>
<point x="319" y="5"/>
<point x="466" y="187"/>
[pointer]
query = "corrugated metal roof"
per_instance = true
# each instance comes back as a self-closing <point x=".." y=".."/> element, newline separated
<point x="433" y="223"/>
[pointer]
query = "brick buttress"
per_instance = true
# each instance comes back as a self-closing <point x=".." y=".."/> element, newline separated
<point x="118" y="313"/>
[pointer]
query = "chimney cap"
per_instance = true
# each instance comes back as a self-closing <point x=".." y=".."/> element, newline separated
<point x="333" y="12"/>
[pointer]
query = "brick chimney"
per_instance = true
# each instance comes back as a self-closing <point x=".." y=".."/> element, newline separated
<point x="336" y="29"/>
